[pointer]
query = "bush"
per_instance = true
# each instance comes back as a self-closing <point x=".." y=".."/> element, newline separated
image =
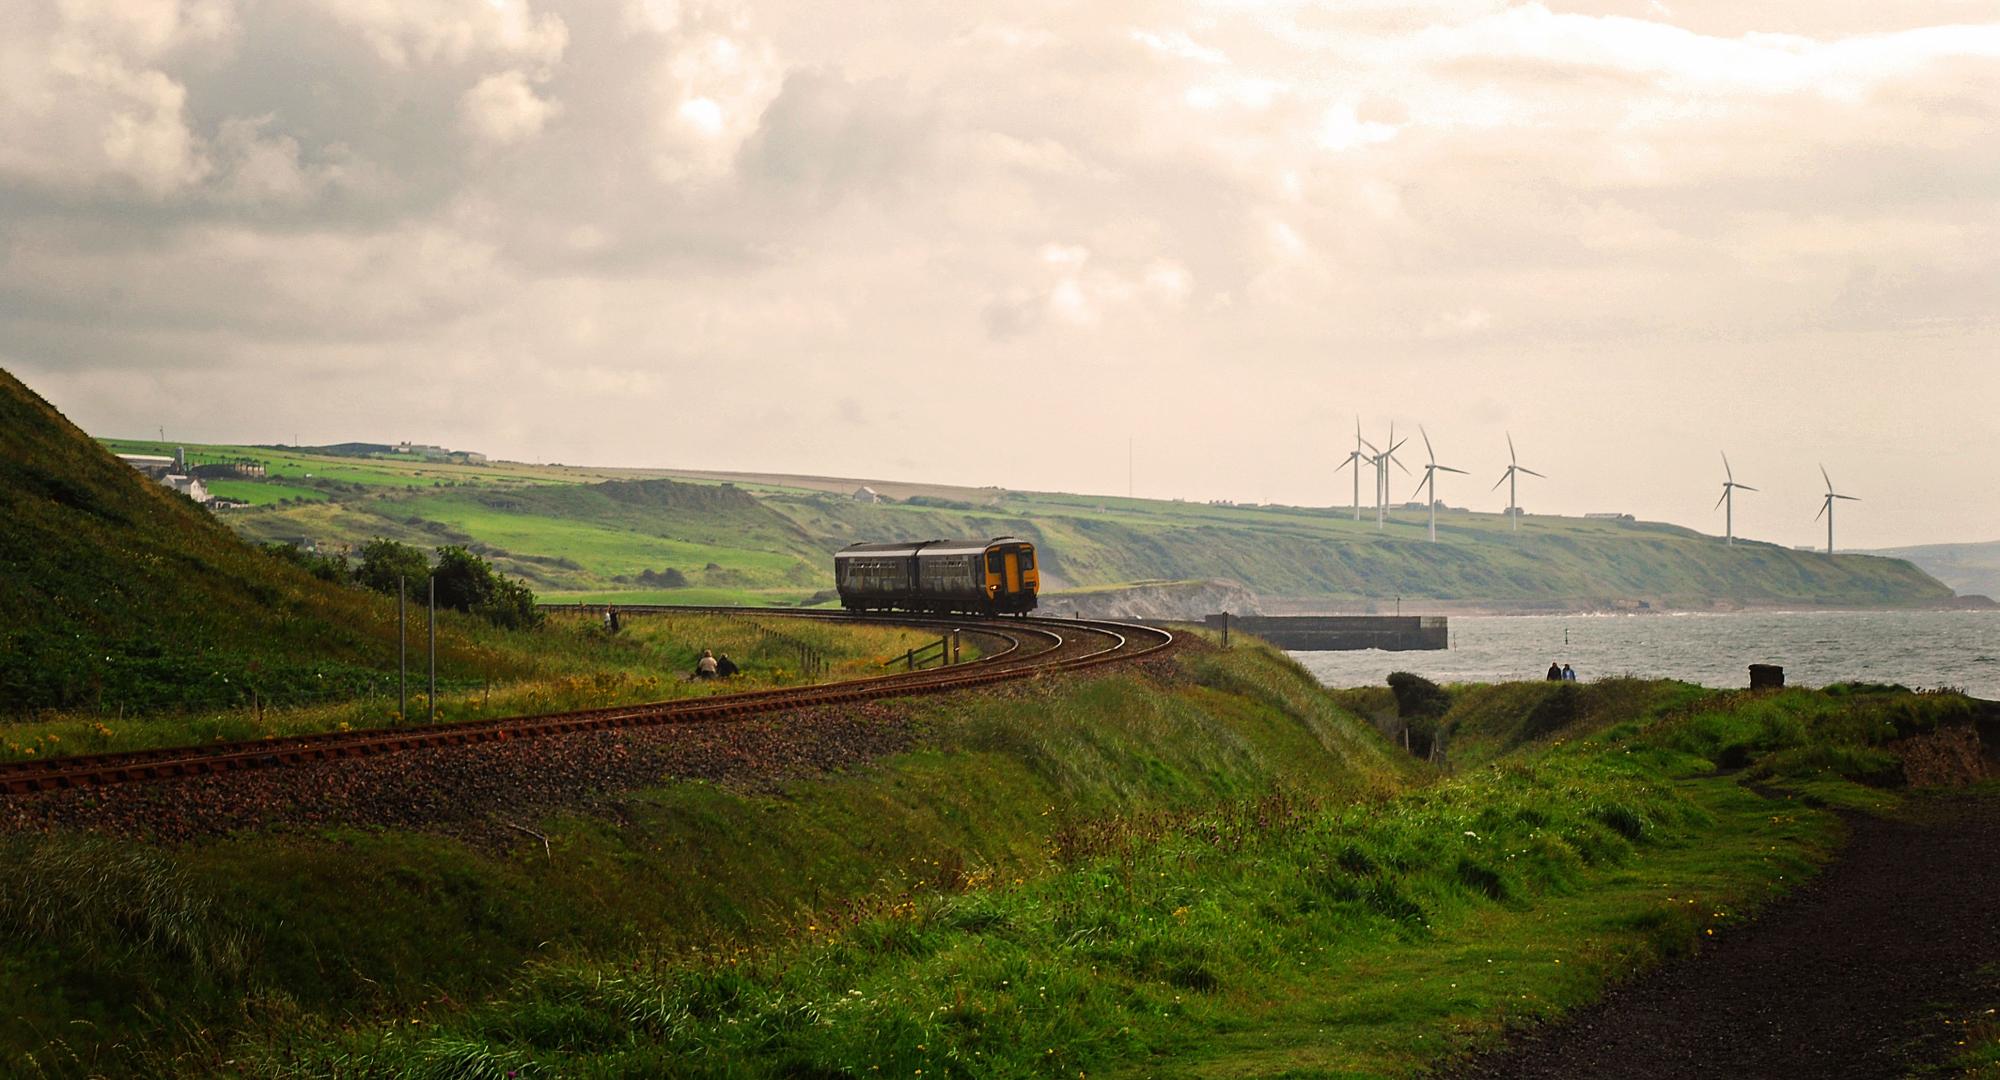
<point x="332" y="568"/>
<point x="385" y="563"/>
<point x="669" y="578"/>
<point x="467" y="583"/>
<point x="1418" y="698"/>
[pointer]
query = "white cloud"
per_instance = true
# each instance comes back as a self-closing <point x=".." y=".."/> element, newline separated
<point x="410" y="32"/>
<point x="85" y="99"/>
<point x="770" y="199"/>
<point x="503" y="109"/>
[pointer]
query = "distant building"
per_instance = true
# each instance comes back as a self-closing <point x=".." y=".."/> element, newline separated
<point x="154" y="466"/>
<point x="1611" y="517"/>
<point x="427" y="452"/>
<point x="190" y="486"/>
<point x="867" y="494"/>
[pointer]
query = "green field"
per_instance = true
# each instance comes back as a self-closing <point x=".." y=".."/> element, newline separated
<point x="576" y="532"/>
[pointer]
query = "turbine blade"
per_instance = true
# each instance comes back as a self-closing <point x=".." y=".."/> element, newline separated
<point x="1462" y="472"/>
<point x="1405" y="468"/>
<point x="1368" y="444"/>
<point x="1725" y="467"/>
<point x="1511" y="459"/>
<point x="1823" y="507"/>
<point x="1428" y="452"/>
<point x="1849" y="498"/>
<point x="1719" y="498"/>
<point x="1348" y="461"/>
<point x="1502" y="480"/>
<point x="1743" y="487"/>
<point x="1532" y="472"/>
<point x="1825" y="477"/>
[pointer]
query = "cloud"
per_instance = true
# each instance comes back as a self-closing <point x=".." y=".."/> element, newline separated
<point x="404" y="33"/>
<point x="503" y="109"/>
<point x="569" y="217"/>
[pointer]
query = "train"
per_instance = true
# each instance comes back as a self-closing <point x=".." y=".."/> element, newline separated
<point x="973" y="577"/>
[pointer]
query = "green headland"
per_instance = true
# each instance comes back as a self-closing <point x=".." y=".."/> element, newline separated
<point x="680" y="536"/>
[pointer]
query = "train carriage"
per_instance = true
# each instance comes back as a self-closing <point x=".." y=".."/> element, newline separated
<point x="984" y="577"/>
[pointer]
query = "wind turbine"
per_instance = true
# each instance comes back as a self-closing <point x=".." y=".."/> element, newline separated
<point x="1728" y="500"/>
<point x="1430" y="480"/>
<point x="1513" y="467"/>
<point x="1354" y="459"/>
<point x="1382" y="459"/>
<point x="1826" y="506"/>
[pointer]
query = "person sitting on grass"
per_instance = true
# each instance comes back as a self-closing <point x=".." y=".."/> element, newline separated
<point x="704" y="668"/>
<point x="725" y="667"/>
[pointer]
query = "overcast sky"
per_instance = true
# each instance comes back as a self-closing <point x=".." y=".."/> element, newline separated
<point x="988" y="243"/>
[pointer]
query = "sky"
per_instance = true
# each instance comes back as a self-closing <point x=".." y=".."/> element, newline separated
<point x="985" y="243"/>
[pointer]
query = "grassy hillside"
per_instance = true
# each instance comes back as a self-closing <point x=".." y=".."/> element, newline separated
<point x="121" y="594"/>
<point x="604" y="534"/>
<point x="1970" y="569"/>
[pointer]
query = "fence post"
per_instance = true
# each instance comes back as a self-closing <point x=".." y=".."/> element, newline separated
<point x="1225" y="629"/>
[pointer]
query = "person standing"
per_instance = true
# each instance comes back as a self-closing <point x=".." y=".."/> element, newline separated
<point x="1569" y="673"/>
<point x="1555" y="672"/>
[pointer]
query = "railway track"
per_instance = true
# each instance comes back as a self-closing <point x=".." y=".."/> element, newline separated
<point x="1028" y="647"/>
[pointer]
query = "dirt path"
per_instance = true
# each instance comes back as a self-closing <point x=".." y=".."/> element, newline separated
<point x="1845" y="979"/>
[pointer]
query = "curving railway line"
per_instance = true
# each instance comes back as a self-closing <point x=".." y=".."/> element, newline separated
<point x="1025" y="647"/>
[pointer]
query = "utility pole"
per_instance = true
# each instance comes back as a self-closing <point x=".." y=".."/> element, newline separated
<point x="402" y="654"/>
<point x="431" y="698"/>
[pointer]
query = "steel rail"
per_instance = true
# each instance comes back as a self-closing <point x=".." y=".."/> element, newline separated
<point x="139" y="766"/>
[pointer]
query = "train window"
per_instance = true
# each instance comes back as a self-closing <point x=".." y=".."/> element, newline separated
<point x="993" y="563"/>
<point x="1027" y="558"/>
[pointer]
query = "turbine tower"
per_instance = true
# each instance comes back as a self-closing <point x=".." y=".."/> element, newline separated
<point x="1430" y="480"/>
<point x="1509" y="477"/>
<point x="1826" y="506"/>
<point x="1728" y="500"/>
<point x="1354" y="459"/>
<point x="1382" y="459"/>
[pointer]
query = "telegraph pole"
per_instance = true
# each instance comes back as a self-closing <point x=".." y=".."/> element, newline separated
<point x="402" y="655"/>
<point x="431" y="700"/>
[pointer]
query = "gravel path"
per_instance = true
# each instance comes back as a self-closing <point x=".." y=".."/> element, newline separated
<point x="1847" y="978"/>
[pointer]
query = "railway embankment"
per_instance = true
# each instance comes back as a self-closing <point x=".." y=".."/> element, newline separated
<point x="1196" y="862"/>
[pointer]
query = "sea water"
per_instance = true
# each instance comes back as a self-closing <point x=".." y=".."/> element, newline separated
<point x="1915" y="648"/>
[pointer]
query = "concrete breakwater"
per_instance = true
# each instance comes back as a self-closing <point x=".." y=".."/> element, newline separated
<point x="1337" y="633"/>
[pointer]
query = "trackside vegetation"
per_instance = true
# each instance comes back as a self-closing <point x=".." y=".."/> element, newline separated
<point x="1204" y="866"/>
<point x="577" y="663"/>
<point x="134" y="619"/>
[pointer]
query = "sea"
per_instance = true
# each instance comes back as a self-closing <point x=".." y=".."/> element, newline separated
<point x="1925" y="649"/>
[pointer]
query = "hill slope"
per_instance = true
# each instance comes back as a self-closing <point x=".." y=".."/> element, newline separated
<point x="615" y="534"/>
<point x="121" y="593"/>
<point x="1969" y="568"/>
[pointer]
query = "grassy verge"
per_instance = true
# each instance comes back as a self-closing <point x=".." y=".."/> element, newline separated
<point x="1211" y="870"/>
<point x="1278" y="936"/>
<point x="577" y="665"/>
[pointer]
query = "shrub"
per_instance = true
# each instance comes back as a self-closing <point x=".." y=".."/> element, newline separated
<point x="385" y="563"/>
<point x="1418" y="698"/>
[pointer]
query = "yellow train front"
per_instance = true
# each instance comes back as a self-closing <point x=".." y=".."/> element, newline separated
<point x="980" y="577"/>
